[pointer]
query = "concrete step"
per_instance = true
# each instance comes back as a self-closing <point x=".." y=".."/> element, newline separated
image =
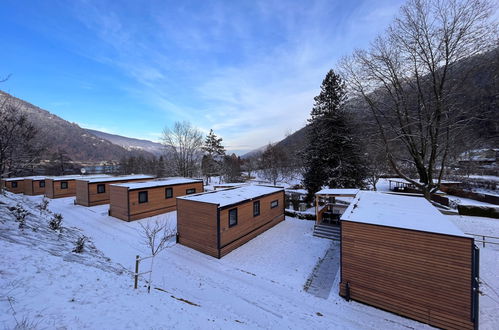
<point x="329" y="232"/>
<point x="333" y="238"/>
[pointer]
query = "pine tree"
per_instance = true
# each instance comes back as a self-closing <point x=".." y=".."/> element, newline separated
<point x="333" y="154"/>
<point x="214" y="149"/>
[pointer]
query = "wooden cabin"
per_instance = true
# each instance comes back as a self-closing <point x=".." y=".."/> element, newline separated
<point x="215" y="223"/>
<point x="95" y="191"/>
<point x="400" y="254"/>
<point x="137" y="200"/>
<point x="34" y="185"/>
<point x="14" y="185"/>
<point x="64" y="186"/>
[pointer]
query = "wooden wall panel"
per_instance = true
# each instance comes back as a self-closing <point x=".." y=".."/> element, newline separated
<point x="157" y="203"/>
<point x="28" y="187"/>
<point x="118" y="202"/>
<point x="17" y="190"/>
<point x="82" y="193"/>
<point x="197" y="226"/>
<point x="53" y="188"/>
<point x="420" y="275"/>
<point x="36" y="189"/>
<point x="49" y="188"/>
<point x="246" y="222"/>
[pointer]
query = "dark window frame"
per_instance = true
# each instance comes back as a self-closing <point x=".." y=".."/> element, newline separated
<point x="143" y="193"/>
<point x="272" y="205"/>
<point x="234" y="210"/>
<point x="101" y="185"/>
<point x="64" y="185"/>
<point x="13" y="184"/>
<point x="168" y="193"/>
<point x="255" y="203"/>
<point x="41" y="184"/>
<point x="190" y="191"/>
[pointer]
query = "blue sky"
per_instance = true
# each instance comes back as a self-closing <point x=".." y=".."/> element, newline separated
<point x="247" y="69"/>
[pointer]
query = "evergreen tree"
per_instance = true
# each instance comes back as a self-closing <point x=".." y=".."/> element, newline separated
<point x="333" y="155"/>
<point x="210" y="164"/>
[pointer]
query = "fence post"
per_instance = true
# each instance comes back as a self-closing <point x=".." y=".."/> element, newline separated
<point x="483" y="241"/>
<point x="136" y="272"/>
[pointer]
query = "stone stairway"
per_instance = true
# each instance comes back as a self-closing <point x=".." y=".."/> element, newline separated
<point x="329" y="232"/>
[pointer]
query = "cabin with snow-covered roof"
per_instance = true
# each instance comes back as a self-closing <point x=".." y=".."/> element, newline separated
<point x="137" y="200"/>
<point x="65" y="186"/>
<point x="217" y="222"/>
<point x="399" y="253"/>
<point x="95" y="191"/>
<point x="14" y="185"/>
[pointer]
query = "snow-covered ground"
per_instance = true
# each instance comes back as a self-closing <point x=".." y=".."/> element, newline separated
<point x="259" y="285"/>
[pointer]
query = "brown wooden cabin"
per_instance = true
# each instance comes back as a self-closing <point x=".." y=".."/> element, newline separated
<point x="215" y="223"/>
<point x="14" y="185"/>
<point x="34" y="185"/>
<point x="95" y="191"/>
<point x="138" y="200"/>
<point x="398" y="253"/>
<point x="64" y="186"/>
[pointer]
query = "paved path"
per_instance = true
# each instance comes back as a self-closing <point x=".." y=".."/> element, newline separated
<point x="325" y="272"/>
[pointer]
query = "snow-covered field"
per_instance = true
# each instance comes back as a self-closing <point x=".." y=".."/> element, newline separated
<point x="259" y="285"/>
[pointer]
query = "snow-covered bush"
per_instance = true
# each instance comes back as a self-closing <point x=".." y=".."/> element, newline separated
<point x="56" y="222"/>
<point x="80" y="244"/>
<point x="20" y="213"/>
<point x="43" y="206"/>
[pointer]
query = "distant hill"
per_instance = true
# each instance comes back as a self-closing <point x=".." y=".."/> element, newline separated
<point x="77" y="143"/>
<point x="130" y="144"/>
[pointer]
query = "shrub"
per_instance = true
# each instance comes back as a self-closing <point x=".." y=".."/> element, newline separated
<point x="43" y="206"/>
<point x="56" y="222"/>
<point x="20" y="213"/>
<point x="80" y="244"/>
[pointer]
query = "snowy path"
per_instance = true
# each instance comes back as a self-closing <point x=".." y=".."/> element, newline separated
<point x="322" y="279"/>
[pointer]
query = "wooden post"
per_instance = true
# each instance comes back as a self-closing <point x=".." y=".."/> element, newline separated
<point x="136" y="272"/>
<point x="317" y="209"/>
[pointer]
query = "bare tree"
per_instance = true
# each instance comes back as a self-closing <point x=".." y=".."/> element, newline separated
<point x="18" y="147"/>
<point x="156" y="236"/>
<point x="407" y="79"/>
<point x="183" y="146"/>
<point x="274" y="164"/>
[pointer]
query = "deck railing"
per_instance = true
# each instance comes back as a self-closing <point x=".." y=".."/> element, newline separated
<point x="485" y="239"/>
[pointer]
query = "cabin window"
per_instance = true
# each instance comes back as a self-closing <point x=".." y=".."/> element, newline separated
<point x="256" y="208"/>
<point x="190" y="191"/>
<point x="274" y="204"/>
<point x="143" y="198"/>
<point x="168" y="192"/>
<point x="232" y="217"/>
<point x="14" y="184"/>
<point x="41" y="184"/>
<point x="101" y="188"/>
<point x="64" y="185"/>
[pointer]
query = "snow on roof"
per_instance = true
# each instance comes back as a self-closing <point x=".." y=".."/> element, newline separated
<point x="232" y="196"/>
<point x="118" y="178"/>
<point x="157" y="183"/>
<point x="25" y="177"/>
<point x="77" y="177"/>
<point x="235" y="184"/>
<point x="400" y="180"/>
<point x="414" y="213"/>
<point x="338" y="192"/>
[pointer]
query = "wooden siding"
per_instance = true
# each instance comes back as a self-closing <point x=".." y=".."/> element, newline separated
<point x="423" y="276"/>
<point x="32" y="187"/>
<point x="18" y="190"/>
<point x="156" y="204"/>
<point x="118" y="202"/>
<point x="86" y="192"/>
<point x="53" y="188"/>
<point x="197" y="226"/>
<point x="246" y="223"/>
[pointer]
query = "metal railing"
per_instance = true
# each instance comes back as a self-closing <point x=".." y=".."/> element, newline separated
<point x="485" y="239"/>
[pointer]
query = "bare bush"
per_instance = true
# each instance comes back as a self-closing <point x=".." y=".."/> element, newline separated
<point x="80" y="244"/>
<point x="44" y="204"/>
<point x="56" y="222"/>
<point x="20" y="213"/>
